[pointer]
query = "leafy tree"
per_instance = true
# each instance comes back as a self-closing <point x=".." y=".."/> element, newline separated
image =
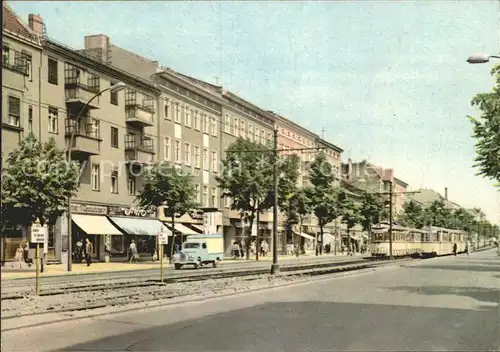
<point x="323" y="196"/>
<point x="413" y="215"/>
<point x="36" y="183"/>
<point x="486" y="131"/>
<point x="437" y="214"/>
<point x="351" y="214"/>
<point x="247" y="178"/>
<point x="371" y="211"/>
<point x="302" y="207"/>
<point x="165" y="185"/>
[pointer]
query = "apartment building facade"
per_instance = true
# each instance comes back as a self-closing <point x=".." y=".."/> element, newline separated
<point x="114" y="137"/>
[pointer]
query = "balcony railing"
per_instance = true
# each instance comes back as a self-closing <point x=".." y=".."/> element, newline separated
<point x="16" y="61"/>
<point x="135" y="142"/>
<point x="87" y="128"/>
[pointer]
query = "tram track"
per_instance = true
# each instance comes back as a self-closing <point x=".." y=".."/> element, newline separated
<point x="153" y="291"/>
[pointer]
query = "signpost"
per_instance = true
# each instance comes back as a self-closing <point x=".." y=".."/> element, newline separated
<point x="162" y="240"/>
<point x="39" y="234"/>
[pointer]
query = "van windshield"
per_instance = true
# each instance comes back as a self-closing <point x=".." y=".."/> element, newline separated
<point x="188" y="245"/>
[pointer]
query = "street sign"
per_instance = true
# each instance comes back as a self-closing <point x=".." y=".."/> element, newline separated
<point x="39" y="234"/>
<point x="163" y="238"/>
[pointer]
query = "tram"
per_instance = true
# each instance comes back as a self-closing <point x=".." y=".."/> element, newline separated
<point x="427" y="242"/>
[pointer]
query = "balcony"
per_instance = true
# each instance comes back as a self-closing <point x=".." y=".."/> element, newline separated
<point x="86" y="140"/>
<point x="139" y="116"/>
<point x="139" y="150"/>
<point x="78" y="94"/>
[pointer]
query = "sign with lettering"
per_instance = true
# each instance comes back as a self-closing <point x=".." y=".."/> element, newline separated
<point x="137" y="211"/>
<point x="163" y="238"/>
<point x="89" y="209"/>
<point x="39" y="234"/>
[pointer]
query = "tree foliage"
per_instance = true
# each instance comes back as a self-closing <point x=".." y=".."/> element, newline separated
<point x="351" y="213"/>
<point x="371" y="211"/>
<point x="247" y="179"/>
<point x="413" y="215"/>
<point x="36" y="183"/>
<point x="486" y="131"/>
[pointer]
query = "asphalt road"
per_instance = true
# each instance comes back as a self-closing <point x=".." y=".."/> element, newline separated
<point x="445" y="304"/>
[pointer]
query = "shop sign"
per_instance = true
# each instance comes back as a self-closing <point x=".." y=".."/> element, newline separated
<point x="134" y="210"/>
<point x="89" y="209"/>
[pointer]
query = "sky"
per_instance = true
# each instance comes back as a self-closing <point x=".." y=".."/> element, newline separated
<point x="388" y="81"/>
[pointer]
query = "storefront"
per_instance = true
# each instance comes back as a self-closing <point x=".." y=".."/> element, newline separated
<point x="91" y="222"/>
<point x="138" y="225"/>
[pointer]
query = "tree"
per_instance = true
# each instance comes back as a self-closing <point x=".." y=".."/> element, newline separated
<point x="247" y="179"/>
<point x="351" y="215"/>
<point x="486" y="131"/>
<point x="167" y="186"/>
<point x="37" y="183"/>
<point x="413" y="215"/>
<point x="437" y="214"/>
<point x="371" y="211"/>
<point x="323" y="196"/>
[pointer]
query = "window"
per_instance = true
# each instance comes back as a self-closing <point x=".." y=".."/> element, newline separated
<point x="262" y="137"/>
<point x="14" y="118"/>
<point x="205" y="196"/>
<point x="30" y="119"/>
<point x="268" y="137"/>
<point x="5" y="55"/>
<point x="214" y="161"/>
<point x="114" y="181"/>
<point x="96" y="177"/>
<point x="205" y="123"/>
<point x="213" y="126"/>
<point x="114" y="137"/>
<point x="250" y="132"/>
<point x="113" y="95"/>
<point x="177" y="151"/>
<point x="197" y="156"/>
<point x="242" y="129"/>
<point x="131" y="185"/>
<point x="52" y="66"/>
<point x="29" y="65"/>
<point x="53" y="120"/>
<point x="227" y="202"/>
<point x="227" y="123"/>
<point x="213" y="198"/>
<point x="93" y="128"/>
<point x="196" y="120"/>
<point x="235" y="127"/>
<point x="198" y="195"/>
<point x="177" y="113"/>
<point x="205" y="159"/>
<point x="187" y="154"/>
<point x="167" y="110"/>
<point x="187" y="117"/>
<point x="166" y="148"/>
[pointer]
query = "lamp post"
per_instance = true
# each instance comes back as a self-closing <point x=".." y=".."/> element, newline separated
<point x="113" y="89"/>
<point x="275" y="266"/>
<point x="390" y="218"/>
<point x="481" y="58"/>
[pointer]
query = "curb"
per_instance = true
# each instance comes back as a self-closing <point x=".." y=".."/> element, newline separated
<point x="359" y="269"/>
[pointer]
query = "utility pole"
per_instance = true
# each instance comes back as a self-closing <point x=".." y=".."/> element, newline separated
<point x="390" y="220"/>
<point x="275" y="266"/>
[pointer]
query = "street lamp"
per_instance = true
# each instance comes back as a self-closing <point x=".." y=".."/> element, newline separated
<point x="113" y="89"/>
<point x="275" y="266"/>
<point x="481" y="58"/>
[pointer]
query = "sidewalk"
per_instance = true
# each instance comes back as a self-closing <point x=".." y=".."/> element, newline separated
<point x="12" y="270"/>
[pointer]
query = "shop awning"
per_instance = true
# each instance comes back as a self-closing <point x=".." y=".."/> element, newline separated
<point x="183" y="229"/>
<point x="304" y="235"/>
<point x="138" y="226"/>
<point x="198" y="227"/>
<point x="95" y="224"/>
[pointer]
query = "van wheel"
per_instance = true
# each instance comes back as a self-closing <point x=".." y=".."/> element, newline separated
<point x="177" y="266"/>
<point x="215" y="262"/>
<point x="197" y="265"/>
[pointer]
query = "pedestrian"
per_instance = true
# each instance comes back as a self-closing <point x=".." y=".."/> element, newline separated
<point x="132" y="251"/>
<point x="89" y="249"/>
<point x="454" y="249"/>
<point x="27" y="258"/>
<point x="19" y="257"/>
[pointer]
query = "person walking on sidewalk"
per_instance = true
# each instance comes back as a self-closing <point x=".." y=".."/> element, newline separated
<point x="132" y="252"/>
<point x="19" y="255"/>
<point x="89" y="249"/>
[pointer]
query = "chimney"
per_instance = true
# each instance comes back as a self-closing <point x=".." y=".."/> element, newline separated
<point x="446" y="193"/>
<point x="97" y="46"/>
<point x="36" y="24"/>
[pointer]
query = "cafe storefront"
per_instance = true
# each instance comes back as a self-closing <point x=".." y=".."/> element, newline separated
<point x="136" y="224"/>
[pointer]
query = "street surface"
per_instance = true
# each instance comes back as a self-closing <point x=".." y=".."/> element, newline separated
<point x="445" y="304"/>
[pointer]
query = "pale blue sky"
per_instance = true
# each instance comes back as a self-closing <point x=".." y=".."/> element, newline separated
<point x="387" y="80"/>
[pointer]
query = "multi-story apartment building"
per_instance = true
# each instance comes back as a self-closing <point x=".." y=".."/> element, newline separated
<point x="114" y="136"/>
